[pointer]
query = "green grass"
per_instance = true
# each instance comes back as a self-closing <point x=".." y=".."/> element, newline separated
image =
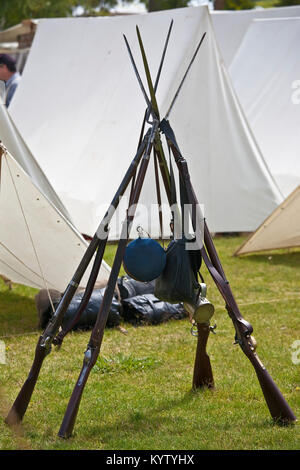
<point x="139" y="395"/>
<point x="267" y="3"/>
<point x="123" y="363"/>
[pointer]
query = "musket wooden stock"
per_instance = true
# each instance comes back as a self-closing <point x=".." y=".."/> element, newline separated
<point x="69" y="419"/>
<point x="202" y="369"/>
<point x="95" y="342"/>
<point x="43" y="347"/>
<point x="20" y="404"/>
<point x="93" y="348"/>
<point x="278" y="407"/>
<point x="203" y="376"/>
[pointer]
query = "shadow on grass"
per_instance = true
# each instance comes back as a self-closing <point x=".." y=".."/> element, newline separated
<point x="18" y="313"/>
<point x="151" y="419"/>
<point x="291" y="259"/>
<point x="137" y="420"/>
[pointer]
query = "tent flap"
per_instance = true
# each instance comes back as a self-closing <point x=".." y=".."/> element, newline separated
<point x="265" y="73"/>
<point x="38" y="246"/>
<point x="280" y="230"/>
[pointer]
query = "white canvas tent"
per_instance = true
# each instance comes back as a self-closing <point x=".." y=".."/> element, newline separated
<point x="265" y="74"/>
<point x="86" y="110"/>
<point x="38" y="245"/>
<point x="280" y="230"/>
<point x="231" y="26"/>
<point x="13" y="141"/>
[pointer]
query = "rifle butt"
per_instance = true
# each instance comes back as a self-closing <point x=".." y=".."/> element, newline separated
<point x="68" y="423"/>
<point x="21" y="403"/>
<point x="278" y="406"/>
<point x="93" y="349"/>
<point x="203" y="376"/>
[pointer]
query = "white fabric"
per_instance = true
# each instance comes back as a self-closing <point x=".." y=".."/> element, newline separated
<point x="86" y="110"/>
<point x="231" y="26"/>
<point x="38" y="246"/>
<point x="11" y="138"/>
<point x="280" y="230"/>
<point x="266" y="77"/>
<point x="27" y="210"/>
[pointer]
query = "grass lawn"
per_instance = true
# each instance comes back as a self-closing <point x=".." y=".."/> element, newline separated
<point x="267" y="3"/>
<point x="138" y="395"/>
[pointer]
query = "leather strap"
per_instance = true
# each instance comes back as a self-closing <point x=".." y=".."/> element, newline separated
<point x="158" y="194"/>
<point x="209" y="254"/>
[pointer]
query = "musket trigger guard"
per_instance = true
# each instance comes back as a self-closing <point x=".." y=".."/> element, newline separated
<point x="194" y="330"/>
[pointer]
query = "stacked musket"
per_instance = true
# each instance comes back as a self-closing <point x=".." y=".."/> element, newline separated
<point x="150" y="141"/>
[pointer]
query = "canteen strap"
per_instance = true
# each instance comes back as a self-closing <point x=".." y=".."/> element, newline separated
<point x="158" y="194"/>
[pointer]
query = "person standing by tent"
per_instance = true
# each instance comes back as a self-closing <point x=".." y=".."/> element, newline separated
<point x="9" y="74"/>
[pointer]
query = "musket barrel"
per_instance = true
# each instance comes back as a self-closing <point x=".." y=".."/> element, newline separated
<point x="43" y="347"/>
<point x="96" y="337"/>
<point x="87" y="294"/>
<point x="278" y="407"/>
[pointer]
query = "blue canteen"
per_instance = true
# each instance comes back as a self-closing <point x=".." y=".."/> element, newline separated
<point x="144" y="259"/>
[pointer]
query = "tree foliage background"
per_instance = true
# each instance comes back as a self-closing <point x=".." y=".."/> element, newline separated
<point x="239" y="4"/>
<point x="286" y="3"/>
<point x="13" y="12"/>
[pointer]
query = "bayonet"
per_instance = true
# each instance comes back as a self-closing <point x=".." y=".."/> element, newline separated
<point x="152" y="106"/>
<point x="162" y="60"/>
<point x="184" y="77"/>
<point x="148" y="75"/>
<point x="139" y="79"/>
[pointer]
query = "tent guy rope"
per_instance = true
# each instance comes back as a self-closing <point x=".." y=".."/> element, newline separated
<point x="29" y="233"/>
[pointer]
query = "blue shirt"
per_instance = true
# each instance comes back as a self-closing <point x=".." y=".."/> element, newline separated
<point x="11" y="86"/>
